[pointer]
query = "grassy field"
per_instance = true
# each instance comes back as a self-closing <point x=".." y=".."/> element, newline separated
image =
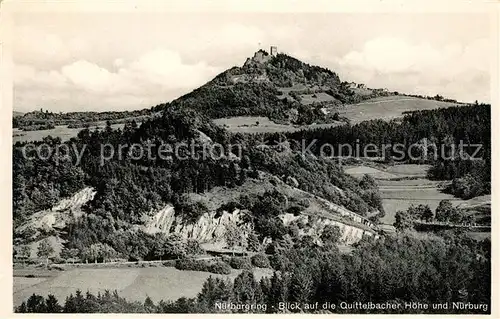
<point x="398" y="197"/>
<point x="62" y="131"/>
<point x="479" y="235"/>
<point x="388" y="107"/>
<point x="248" y="124"/>
<point x="307" y="99"/>
<point x="132" y="283"/>
<point x="404" y="185"/>
<point x="359" y="171"/>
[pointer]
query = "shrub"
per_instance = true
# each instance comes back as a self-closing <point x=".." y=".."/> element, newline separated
<point x="295" y="210"/>
<point x="261" y="261"/>
<point x="220" y="267"/>
<point x="217" y="267"/>
<point x="188" y="264"/>
<point x="56" y="267"/>
<point x="169" y="263"/>
<point x="193" y="247"/>
<point x="58" y="260"/>
<point x="240" y="263"/>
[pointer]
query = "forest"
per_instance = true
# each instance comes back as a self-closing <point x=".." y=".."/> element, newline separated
<point x="44" y="120"/>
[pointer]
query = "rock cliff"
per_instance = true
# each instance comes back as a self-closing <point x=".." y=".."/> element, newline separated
<point x="211" y="227"/>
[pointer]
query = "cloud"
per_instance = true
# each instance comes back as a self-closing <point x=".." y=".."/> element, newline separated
<point x="148" y="79"/>
<point x="421" y="68"/>
<point x="107" y="62"/>
<point x="166" y="68"/>
<point x="44" y="49"/>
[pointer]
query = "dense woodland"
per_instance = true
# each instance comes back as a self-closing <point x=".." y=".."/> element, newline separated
<point x="430" y="269"/>
<point x="45" y="120"/>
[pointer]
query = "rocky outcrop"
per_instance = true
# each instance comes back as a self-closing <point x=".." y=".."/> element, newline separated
<point x="76" y="201"/>
<point x="314" y="227"/>
<point x="57" y="217"/>
<point x="210" y="227"/>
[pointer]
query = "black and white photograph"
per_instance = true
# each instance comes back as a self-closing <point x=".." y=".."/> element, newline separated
<point x="207" y="159"/>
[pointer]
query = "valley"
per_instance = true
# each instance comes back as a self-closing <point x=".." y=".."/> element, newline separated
<point x="404" y="185"/>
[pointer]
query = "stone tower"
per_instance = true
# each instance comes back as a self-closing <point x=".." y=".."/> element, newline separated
<point x="274" y="50"/>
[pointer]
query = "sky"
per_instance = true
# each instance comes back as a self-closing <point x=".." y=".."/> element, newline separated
<point x="126" y="61"/>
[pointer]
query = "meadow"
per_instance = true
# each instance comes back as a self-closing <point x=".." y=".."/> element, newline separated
<point x="404" y="185"/>
<point x="261" y="124"/>
<point x="136" y="284"/>
<point x="387" y="108"/>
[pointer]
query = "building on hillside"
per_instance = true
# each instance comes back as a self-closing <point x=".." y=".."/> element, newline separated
<point x="274" y="50"/>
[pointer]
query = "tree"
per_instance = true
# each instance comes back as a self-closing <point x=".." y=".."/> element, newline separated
<point x="427" y="214"/>
<point x="70" y="254"/>
<point x="302" y="284"/>
<point x="253" y="243"/>
<point x="23" y="252"/>
<point x="367" y="182"/>
<point x="45" y="250"/>
<point x="52" y="304"/>
<point x="246" y="289"/>
<point x="175" y="247"/>
<point x="36" y="304"/>
<point x="330" y="235"/>
<point x="420" y="212"/>
<point x="92" y="253"/>
<point x="445" y="210"/>
<point x="233" y="235"/>
<point x="159" y="248"/>
<point x="149" y="305"/>
<point x="403" y="221"/>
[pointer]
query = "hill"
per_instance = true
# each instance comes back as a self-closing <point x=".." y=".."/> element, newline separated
<point x="279" y="87"/>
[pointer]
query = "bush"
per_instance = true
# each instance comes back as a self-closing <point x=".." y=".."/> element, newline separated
<point x="169" y="263"/>
<point x="220" y="267"/>
<point x="193" y="247"/>
<point x="188" y="264"/>
<point x="58" y="260"/>
<point x="56" y="267"/>
<point x="217" y="267"/>
<point x="261" y="261"/>
<point x="240" y="263"/>
<point x="294" y="210"/>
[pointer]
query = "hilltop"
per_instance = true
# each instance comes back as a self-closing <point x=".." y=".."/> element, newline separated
<point x="277" y="86"/>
